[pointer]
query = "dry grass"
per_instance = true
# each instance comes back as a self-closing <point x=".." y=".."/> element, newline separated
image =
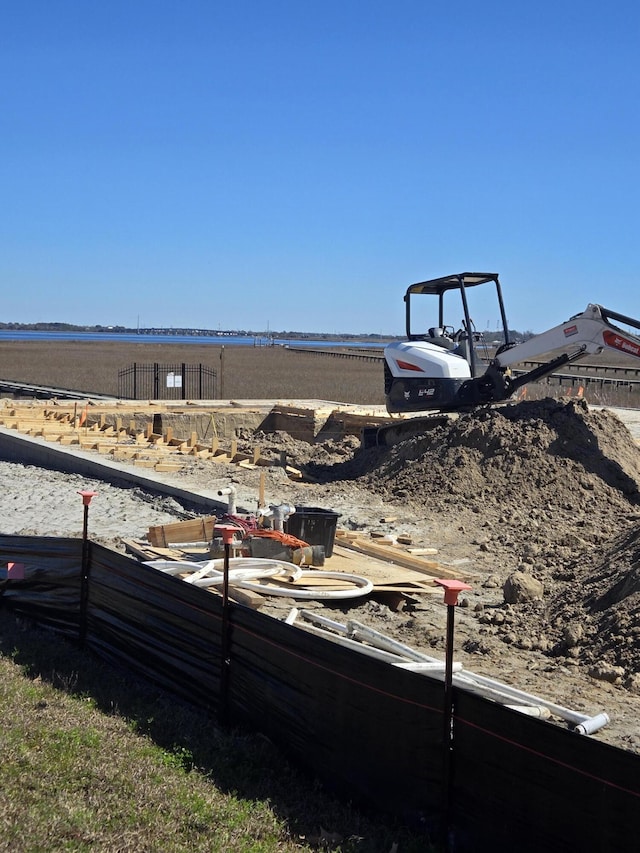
<point x="254" y="373"/>
<point x="247" y="372"/>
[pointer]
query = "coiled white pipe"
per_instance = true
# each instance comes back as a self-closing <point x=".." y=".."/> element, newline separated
<point x="244" y="570"/>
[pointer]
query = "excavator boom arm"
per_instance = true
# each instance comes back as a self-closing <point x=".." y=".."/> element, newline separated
<point x="587" y="333"/>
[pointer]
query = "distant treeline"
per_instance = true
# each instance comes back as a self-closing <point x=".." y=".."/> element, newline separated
<point x="208" y="333"/>
<point x="490" y="336"/>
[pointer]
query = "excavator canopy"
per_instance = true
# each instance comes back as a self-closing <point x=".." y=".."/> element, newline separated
<point x="437" y="286"/>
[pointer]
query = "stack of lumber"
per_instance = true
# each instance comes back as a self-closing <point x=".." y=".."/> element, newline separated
<point x="397" y="572"/>
<point x="400" y="555"/>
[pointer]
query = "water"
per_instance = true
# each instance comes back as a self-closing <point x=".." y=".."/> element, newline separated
<point x="213" y="339"/>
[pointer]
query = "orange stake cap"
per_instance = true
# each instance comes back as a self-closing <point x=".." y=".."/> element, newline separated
<point x="86" y="497"/>
<point x="451" y="589"/>
<point x="228" y="531"/>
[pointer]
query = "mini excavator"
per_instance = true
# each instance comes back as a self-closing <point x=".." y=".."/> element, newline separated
<point x="450" y="369"/>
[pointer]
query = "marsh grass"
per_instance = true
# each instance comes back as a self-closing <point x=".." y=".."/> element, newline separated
<point x="244" y="373"/>
<point x="93" y="759"/>
<point x="257" y="373"/>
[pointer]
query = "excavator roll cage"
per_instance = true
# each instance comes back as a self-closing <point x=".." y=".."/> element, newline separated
<point x="438" y="287"/>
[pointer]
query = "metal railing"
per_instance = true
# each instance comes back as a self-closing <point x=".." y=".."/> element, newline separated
<point x="167" y="382"/>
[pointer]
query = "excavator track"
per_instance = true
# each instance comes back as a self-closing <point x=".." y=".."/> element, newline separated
<point x="402" y="430"/>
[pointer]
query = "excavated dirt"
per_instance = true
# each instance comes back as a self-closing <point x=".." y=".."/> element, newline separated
<point x="538" y="503"/>
<point x="543" y="492"/>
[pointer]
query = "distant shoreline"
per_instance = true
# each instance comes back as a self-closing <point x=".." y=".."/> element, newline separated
<point x="175" y="337"/>
<point x="65" y="331"/>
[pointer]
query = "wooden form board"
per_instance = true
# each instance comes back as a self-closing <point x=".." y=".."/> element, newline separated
<point x="143" y="448"/>
<point x="385" y="576"/>
<point x="192" y="530"/>
<point x="402" y="557"/>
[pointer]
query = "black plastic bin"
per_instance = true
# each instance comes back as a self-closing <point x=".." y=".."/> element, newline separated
<point x="314" y="526"/>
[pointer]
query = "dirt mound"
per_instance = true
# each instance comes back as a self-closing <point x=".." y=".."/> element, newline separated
<point x="556" y="486"/>
<point x="602" y="600"/>
<point x="527" y="455"/>
<point x="549" y="488"/>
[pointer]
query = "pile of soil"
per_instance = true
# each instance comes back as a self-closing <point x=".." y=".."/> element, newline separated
<point x="547" y="488"/>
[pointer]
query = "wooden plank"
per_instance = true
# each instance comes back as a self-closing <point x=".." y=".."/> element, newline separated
<point x="69" y="439"/>
<point x="191" y="530"/>
<point x="129" y="451"/>
<point x="403" y="558"/>
<point x="379" y="572"/>
<point x="168" y="467"/>
<point x="409" y="589"/>
<point x="146" y="552"/>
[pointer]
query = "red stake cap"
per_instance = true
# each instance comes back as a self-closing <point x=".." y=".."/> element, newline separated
<point x="451" y="589"/>
<point x="228" y="531"/>
<point x="86" y="497"/>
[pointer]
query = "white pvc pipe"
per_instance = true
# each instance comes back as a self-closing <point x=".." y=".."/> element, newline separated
<point x="310" y="616"/>
<point x="280" y="514"/>
<point x="361" y="586"/>
<point x="359" y="631"/>
<point x="241" y="568"/>
<point x="488" y="687"/>
<point x="531" y="710"/>
<point x="433" y="667"/>
<point x="291" y="616"/>
<point x="593" y="724"/>
<point x="231" y="491"/>
<point x="378" y="654"/>
<point x="507" y="691"/>
<point x="385" y="644"/>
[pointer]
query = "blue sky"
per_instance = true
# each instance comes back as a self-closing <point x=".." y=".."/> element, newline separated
<point x="295" y="165"/>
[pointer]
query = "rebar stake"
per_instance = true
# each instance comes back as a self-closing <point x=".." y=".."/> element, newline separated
<point x="84" y="577"/>
<point x="451" y="590"/>
<point x="228" y="532"/>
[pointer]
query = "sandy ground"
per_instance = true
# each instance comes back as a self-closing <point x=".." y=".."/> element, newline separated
<point x="545" y="490"/>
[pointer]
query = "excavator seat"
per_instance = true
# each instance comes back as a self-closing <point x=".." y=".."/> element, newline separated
<point x="436" y="335"/>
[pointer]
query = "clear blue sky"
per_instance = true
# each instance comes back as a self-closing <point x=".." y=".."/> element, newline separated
<point x="295" y="164"/>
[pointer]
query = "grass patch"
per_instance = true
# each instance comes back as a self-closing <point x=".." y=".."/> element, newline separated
<point x="93" y="759"/>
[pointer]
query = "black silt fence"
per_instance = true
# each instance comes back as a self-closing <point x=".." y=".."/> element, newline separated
<point x="370" y="731"/>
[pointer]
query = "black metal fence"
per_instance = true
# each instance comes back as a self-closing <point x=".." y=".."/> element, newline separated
<point x="167" y="382"/>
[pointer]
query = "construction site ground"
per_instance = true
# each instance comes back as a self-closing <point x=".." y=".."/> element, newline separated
<point x="543" y="496"/>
